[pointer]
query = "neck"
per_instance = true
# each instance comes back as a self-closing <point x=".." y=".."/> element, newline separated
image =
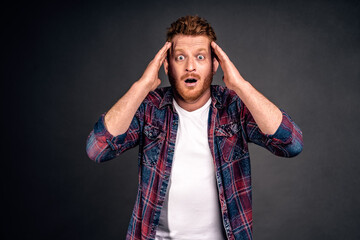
<point x="195" y="104"/>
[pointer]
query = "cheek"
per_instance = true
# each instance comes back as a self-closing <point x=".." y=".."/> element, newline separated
<point x="171" y="72"/>
<point x="174" y="70"/>
<point x="206" y="68"/>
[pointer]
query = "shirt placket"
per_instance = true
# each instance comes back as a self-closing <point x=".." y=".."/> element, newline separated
<point x="224" y="210"/>
<point x="173" y="123"/>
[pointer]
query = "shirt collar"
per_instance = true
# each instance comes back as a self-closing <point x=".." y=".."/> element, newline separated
<point x="216" y="97"/>
<point x="168" y="98"/>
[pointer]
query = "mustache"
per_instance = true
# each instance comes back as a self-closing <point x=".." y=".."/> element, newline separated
<point x="190" y="75"/>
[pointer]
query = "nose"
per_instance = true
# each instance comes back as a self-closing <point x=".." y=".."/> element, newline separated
<point x="190" y="65"/>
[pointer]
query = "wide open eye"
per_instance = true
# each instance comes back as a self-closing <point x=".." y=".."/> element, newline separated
<point x="180" y="57"/>
<point x="200" y="57"/>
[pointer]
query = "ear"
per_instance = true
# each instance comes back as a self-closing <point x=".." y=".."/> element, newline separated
<point x="166" y="66"/>
<point x="215" y="65"/>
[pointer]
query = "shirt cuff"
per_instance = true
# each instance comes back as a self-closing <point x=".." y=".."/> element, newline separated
<point x="104" y="136"/>
<point x="284" y="133"/>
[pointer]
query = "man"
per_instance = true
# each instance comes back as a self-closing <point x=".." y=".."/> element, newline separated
<point x="194" y="166"/>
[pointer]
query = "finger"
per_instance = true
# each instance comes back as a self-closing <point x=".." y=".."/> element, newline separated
<point x="165" y="52"/>
<point x="160" y="56"/>
<point x="213" y="51"/>
<point x="221" y="55"/>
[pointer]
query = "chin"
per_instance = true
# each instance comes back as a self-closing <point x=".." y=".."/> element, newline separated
<point x="191" y="98"/>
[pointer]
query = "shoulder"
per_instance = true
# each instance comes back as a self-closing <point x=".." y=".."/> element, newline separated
<point x="159" y="97"/>
<point x="224" y="96"/>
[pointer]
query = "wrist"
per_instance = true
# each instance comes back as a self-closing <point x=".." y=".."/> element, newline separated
<point x="144" y="85"/>
<point x="241" y="86"/>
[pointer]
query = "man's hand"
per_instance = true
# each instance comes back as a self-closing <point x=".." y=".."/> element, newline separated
<point x="151" y="75"/>
<point x="267" y="116"/>
<point x="232" y="77"/>
<point x="119" y="117"/>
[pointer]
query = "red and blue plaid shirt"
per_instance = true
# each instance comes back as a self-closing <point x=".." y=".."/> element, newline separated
<point x="231" y="127"/>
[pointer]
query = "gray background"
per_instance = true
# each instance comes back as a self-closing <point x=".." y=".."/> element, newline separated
<point x="67" y="63"/>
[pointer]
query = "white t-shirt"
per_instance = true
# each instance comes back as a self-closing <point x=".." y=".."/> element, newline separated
<point x="191" y="209"/>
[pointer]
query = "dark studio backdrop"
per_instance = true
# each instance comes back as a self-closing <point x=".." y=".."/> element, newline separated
<point x="67" y="63"/>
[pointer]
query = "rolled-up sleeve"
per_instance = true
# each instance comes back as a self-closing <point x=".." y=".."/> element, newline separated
<point x="287" y="141"/>
<point x="102" y="146"/>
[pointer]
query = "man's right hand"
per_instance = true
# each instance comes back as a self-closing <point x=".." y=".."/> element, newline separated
<point x="151" y="75"/>
<point x="119" y="117"/>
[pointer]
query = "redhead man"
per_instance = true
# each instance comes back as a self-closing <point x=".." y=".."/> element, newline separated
<point x="194" y="165"/>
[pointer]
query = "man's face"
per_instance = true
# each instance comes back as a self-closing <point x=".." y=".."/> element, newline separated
<point x="190" y="68"/>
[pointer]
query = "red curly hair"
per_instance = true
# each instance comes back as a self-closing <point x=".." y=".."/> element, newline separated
<point x="190" y="25"/>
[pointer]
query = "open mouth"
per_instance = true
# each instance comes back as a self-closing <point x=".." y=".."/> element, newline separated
<point x="190" y="80"/>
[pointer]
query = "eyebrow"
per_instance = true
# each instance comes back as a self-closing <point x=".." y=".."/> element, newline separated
<point x="182" y="50"/>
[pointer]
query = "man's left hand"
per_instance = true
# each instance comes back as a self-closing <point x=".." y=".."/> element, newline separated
<point x="232" y="77"/>
<point x="267" y="116"/>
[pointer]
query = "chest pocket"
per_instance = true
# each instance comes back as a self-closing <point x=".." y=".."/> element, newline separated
<point x="153" y="142"/>
<point x="230" y="141"/>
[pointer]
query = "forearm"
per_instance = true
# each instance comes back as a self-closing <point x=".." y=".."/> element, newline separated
<point x="266" y="115"/>
<point x="119" y="117"/>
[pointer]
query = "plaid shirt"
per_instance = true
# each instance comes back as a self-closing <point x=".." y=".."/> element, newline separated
<point x="231" y="127"/>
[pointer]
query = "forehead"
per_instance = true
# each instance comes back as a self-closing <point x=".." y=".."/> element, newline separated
<point x="185" y="42"/>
